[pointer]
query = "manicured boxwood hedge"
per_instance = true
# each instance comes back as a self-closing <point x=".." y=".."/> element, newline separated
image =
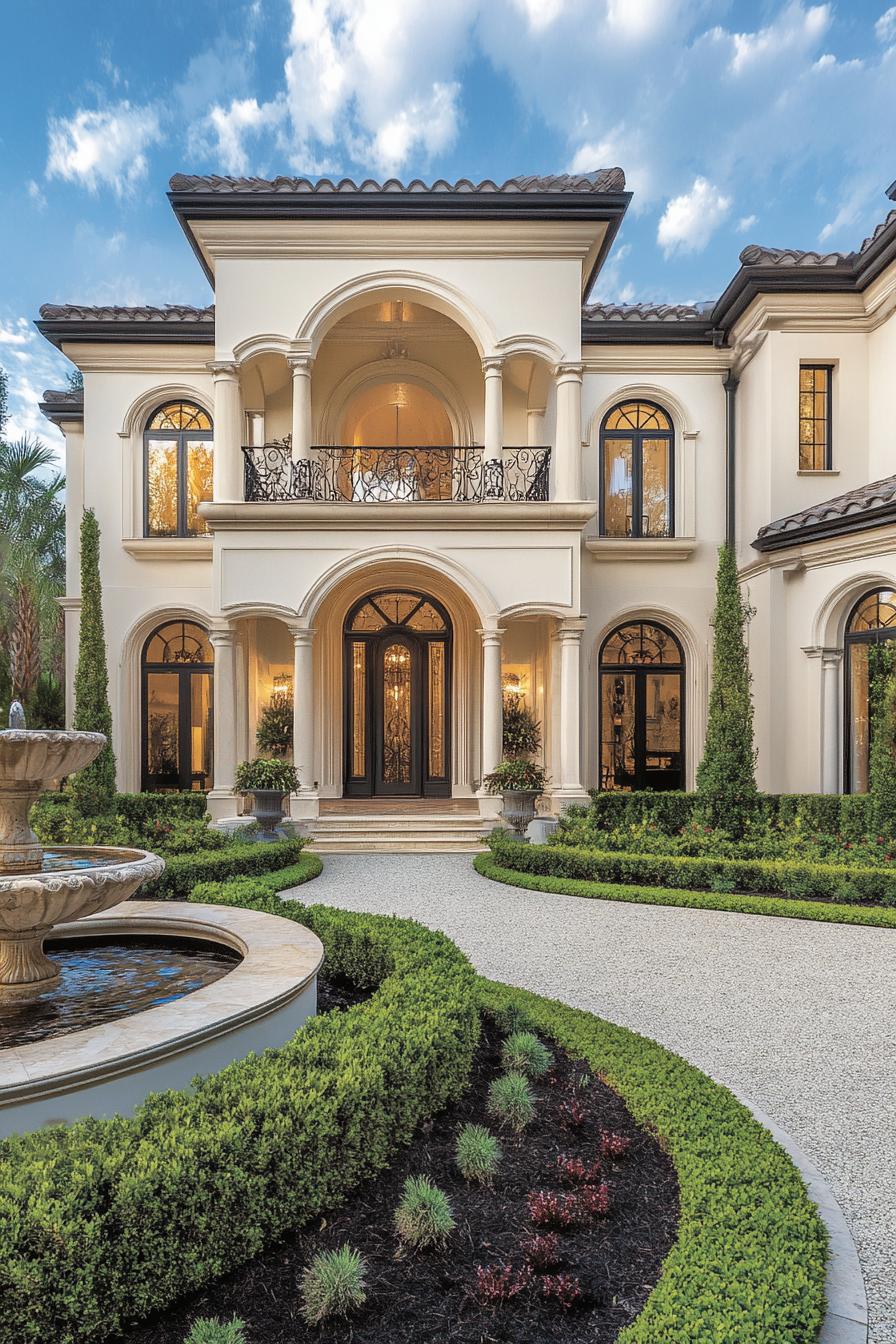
<point x="749" y="1261"/>
<point x="144" y="809"/>
<point x="777" y="876"/>
<point x="498" y="867"/>
<point x="240" y="859"/>
<point x="105" y="1221"/>
<point x="849" y="815"/>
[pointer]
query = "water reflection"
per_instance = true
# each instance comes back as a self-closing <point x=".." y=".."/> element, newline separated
<point x="105" y="979"/>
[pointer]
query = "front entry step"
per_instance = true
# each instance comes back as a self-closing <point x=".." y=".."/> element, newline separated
<point x="408" y="832"/>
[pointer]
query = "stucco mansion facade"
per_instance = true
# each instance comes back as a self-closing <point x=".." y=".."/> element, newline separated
<point x="401" y="470"/>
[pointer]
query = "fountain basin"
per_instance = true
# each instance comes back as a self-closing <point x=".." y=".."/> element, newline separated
<point x="73" y="882"/>
<point x="29" y="760"/>
<point x="110" y="1069"/>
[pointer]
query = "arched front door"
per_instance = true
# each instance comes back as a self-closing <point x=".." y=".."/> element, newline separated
<point x="397" y="697"/>
<point x="177" y="671"/>
<point x="641" y="708"/>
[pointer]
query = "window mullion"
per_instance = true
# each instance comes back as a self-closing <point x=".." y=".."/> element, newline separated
<point x="637" y="485"/>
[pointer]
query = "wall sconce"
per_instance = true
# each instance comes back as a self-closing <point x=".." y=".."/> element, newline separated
<point x="512" y="684"/>
<point x="282" y="691"/>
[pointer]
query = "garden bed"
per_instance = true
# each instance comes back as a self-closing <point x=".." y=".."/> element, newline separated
<point x="432" y="1294"/>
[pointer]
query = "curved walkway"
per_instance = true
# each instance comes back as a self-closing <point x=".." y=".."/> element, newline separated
<point x="799" y="1017"/>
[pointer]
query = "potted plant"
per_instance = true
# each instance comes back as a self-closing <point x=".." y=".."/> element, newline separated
<point x="268" y="781"/>
<point x="520" y="782"/>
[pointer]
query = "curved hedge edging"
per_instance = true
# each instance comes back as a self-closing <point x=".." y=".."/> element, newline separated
<point x="238" y="859"/>
<point x="749" y="1261"/>
<point x="106" y="1221"/>
<point x="785" y="907"/>
<point x="792" y="881"/>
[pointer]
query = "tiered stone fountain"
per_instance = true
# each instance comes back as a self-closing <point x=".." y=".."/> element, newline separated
<point x="41" y="888"/>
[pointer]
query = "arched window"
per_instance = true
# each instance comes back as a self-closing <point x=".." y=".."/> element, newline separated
<point x="177" y="451"/>
<point x="641" y="708"/>
<point x="176" y="676"/>
<point x="871" y="626"/>
<point x="637" y="445"/>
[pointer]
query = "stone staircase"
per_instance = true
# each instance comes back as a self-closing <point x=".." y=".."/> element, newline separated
<point x="412" y="826"/>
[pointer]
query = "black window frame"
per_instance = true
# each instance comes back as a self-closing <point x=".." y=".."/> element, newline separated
<point x="640" y="672"/>
<point x="183" y="671"/>
<point x="881" y="634"/>
<point x="828" y="371"/>
<point x="636" y="437"/>
<point x="180" y="436"/>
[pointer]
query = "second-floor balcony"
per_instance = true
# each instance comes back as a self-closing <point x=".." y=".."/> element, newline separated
<point x="345" y="474"/>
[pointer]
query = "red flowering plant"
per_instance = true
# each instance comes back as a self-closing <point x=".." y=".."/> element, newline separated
<point x="575" y="1171"/>
<point x="542" y="1251"/>
<point x="564" y="1289"/>
<point x="614" y="1146"/>
<point x="500" y="1283"/>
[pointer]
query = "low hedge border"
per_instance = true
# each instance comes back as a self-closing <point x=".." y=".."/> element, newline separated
<point x="239" y="859"/>
<point x="848" y="814"/>
<point x="785" y="907"/>
<point x="749" y="1261"/>
<point x="779" y="877"/>
<point x="106" y="1221"/>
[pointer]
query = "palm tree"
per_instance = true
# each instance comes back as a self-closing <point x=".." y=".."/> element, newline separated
<point x="32" y="550"/>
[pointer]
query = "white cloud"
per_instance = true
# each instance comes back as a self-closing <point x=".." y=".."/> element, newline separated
<point x="104" y="147"/>
<point x="18" y="333"/>
<point x="885" y="28"/>
<point x="636" y="20"/>
<point x="36" y="195"/>
<point x="690" y="220"/>
<point x="746" y="223"/>
<point x="540" y="14"/>
<point x="231" y="126"/>
<point x="38" y="366"/>
<point x="794" y="31"/>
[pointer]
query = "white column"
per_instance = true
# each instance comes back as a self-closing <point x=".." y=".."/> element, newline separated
<point x="535" y="427"/>
<point x="228" y="458"/>
<point x="830" y="720"/>
<point x="568" y="437"/>
<point x="305" y="802"/>
<point x="302" y="425"/>
<point x="221" y="800"/>
<point x="492" y="717"/>
<point x="493" y="423"/>
<point x="570" y="788"/>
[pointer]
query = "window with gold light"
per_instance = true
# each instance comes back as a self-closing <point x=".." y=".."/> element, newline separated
<point x="637" y="445"/>
<point x="815" y="417"/>
<point x="868" y="648"/>
<point x="178" y="453"/>
<point x="177" y="669"/>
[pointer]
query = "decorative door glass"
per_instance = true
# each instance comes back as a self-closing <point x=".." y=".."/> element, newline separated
<point x="870" y="651"/>
<point x="178" y="741"/>
<point x="397" y="693"/>
<point x="641" y="708"/>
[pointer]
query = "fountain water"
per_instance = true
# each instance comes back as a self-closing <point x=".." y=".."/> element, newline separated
<point x="41" y="888"/>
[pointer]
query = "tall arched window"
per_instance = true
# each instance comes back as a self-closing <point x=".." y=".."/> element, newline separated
<point x="637" y="471"/>
<point x="871" y="625"/>
<point x="177" y="451"/>
<point x="176" y="675"/>
<point x="641" y="708"/>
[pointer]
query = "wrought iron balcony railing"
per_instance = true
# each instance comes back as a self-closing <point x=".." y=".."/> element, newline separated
<point x="395" y="475"/>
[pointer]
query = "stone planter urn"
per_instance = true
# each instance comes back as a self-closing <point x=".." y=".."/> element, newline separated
<point x="519" y="807"/>
<point x="268" y="811"/>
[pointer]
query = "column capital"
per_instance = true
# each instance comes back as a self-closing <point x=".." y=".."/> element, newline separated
<point x="300" y="364"/>
<point x="568" y="373"/>
<point x="223" y="370"/>
<point x="220" y="633"/>
<point x="493" y="366"/>
<point x="571" y="628"/>
<point x="301" y="635"/>
<point x="491" y="636"/>
<point x="828" y="657"/>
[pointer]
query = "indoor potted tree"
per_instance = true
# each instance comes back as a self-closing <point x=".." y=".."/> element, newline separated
<point x="268" y="781"/>
<point x="518" y="779"/>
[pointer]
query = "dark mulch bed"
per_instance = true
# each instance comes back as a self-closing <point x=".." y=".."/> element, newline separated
<point x="428" y="1295"/>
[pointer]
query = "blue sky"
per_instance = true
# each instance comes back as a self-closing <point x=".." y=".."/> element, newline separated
<point x="735" y="122"/>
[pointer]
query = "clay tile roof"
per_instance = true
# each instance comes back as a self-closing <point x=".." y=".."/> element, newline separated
<point x="868" y="506"/>
<point x="647" y="312"/>
<point x="59" y="405"/>
<point x="604" y="180"/>
<point x="170" y="312"/>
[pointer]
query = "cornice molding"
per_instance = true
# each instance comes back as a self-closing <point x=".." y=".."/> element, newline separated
<point x="638" y="360"/>
<point x="131" y="357"/>
<point x="168" y="548"/>
<point x="826" y="551"/>
<point x="641" y="548"/>
<point x="413" y="517"/>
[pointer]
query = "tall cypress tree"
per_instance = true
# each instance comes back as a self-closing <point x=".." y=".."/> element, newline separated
<point x="94" y="787"/>
<point x="882" y="715"/>
<point x="726" y="777"/>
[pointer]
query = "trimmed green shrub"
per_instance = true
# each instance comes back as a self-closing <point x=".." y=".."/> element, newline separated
<point x="273" y="736"/>
<point x="184" y="871"/>
<point x="749" y="1261"/>
<point x="105" y="1221"/>
<point x="848" y="814"/>
<point x="524" y="1053"/>
<point x="211" y="1330"/>
<point x="521" y="730"/>
<point x="265" y="773"/>
<point x="333" y="1285"/>
<point x="93" y="788"/>
<point x="424" y="1216"/>
<point x="516" y="773"/>
<point x="776" y="876"/>
<point x="510" y="1101"/>
<point x="477" y="1154"/>
<point x="726" y="776"/>
<point x="141" y="809"/>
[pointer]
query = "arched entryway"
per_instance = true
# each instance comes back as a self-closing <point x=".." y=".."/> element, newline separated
<point x="642" y="708"/>
<point x="870" y="629"/>
<point x="176" y="694"/>
<point x="397" y="736"/>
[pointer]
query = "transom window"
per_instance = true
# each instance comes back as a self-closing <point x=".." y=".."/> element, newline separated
<point x="636" y="471"/>
<point x="815" y="417"/>
<point x="870" y="630"/>
<point x="178" y="457"/>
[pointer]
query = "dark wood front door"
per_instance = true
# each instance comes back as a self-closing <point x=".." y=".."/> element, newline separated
<point x="397" y="681"/>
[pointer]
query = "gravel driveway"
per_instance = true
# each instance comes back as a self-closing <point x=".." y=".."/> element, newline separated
<point x="800" y="1017"/>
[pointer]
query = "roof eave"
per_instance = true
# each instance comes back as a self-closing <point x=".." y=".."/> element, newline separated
<point x="59" y="331"/>
<point x="829" y="528"/>
<point x="647" y="333"/>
